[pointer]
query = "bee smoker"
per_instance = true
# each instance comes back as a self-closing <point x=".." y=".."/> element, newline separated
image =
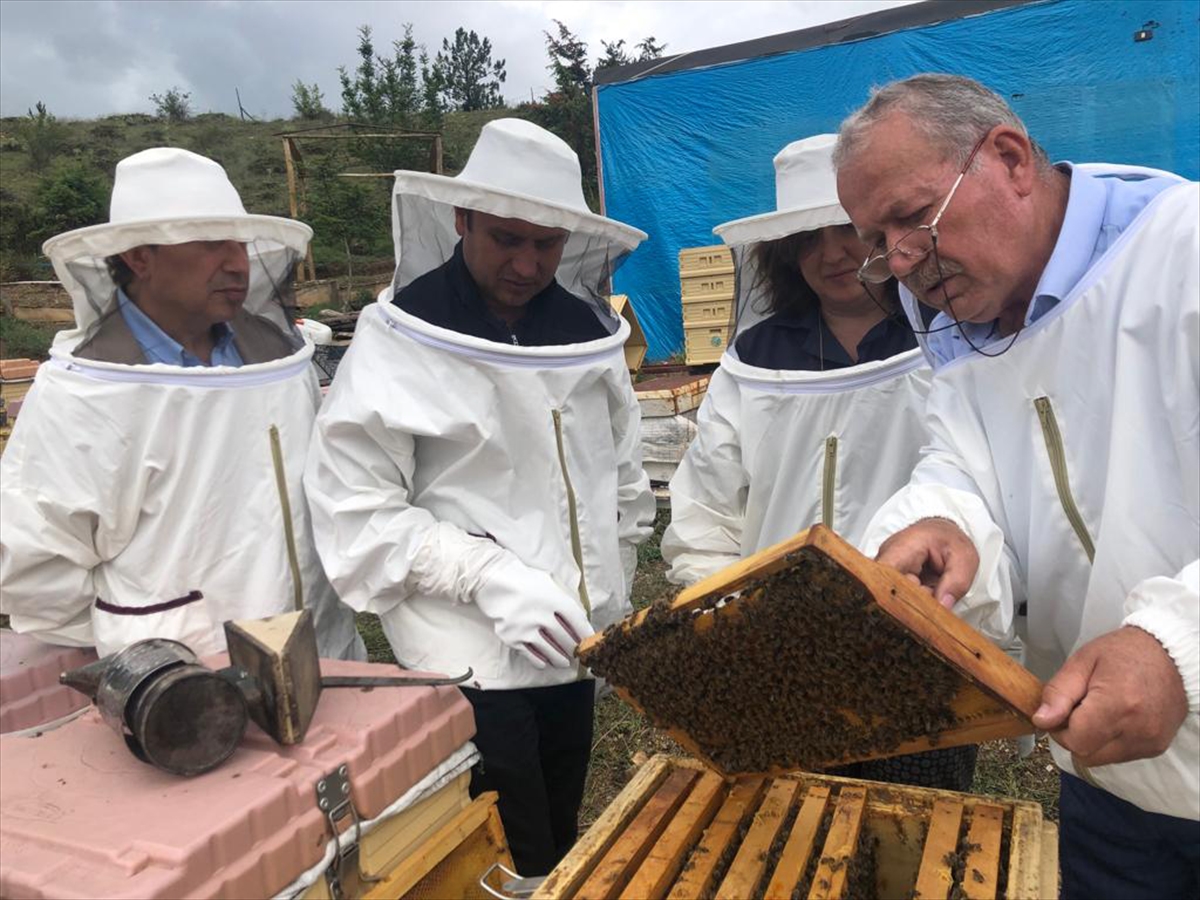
<point x="173" y="713"/>
<point x="185" y="718"/>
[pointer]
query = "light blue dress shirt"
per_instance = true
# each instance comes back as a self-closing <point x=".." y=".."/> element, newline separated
<point x="160" y="347"/>
<point x="1099" y="208"/>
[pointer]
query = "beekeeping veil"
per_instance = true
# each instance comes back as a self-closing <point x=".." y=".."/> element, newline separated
<point x="805" y="200"/>
<point x="170" y="196"/>
<point x="516" y="170"/>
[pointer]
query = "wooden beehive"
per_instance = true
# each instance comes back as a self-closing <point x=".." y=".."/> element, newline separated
<point x="450" y="865"/>
<point x="678" y="830"/>
<point x="808" y="655"/>
<point x="16" y="378"/>
<point x="448" y="862"/>
<point x="668" y="405"/>
<point x="707" y="286"/>
<point x="635" y="344"/>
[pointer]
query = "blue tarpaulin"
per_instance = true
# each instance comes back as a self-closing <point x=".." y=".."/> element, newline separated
<point x="685" y="150"/>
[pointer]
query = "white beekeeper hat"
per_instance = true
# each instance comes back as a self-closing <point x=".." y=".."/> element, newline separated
<point x="805" y="195"/>
<point x="166" y="195"/>
<point x="805" y="200"/>
<point x="517" y="170"/>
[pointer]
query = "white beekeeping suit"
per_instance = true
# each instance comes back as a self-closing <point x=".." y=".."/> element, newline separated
<point x="1070" y="461"/>
<point x="462" y="487"/>
<point x="141" y="500"/>
<point x="780" y="450"/>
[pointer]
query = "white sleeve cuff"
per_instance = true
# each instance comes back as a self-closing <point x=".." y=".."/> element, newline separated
<point x="451" y="563"/>
<point x="1169" y="609"/>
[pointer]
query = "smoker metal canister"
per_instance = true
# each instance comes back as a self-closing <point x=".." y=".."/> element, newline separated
<point x="174" y="713"/>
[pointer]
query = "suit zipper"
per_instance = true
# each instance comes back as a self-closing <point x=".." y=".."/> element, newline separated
<point x="1058" y="465"/>
<point x="576" y="542"/>
<point x="830" y="481"/>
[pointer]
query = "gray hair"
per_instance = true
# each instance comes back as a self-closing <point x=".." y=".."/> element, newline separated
<point x="951" y="112"/>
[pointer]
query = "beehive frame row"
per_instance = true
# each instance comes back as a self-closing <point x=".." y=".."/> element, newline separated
<point x="679" y="830"/>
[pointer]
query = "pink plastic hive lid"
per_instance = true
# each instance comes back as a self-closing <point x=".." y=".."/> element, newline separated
<point x="81" y="817"/>
<point x="30" y="694"/>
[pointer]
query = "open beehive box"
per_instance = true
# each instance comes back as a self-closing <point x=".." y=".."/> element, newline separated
<point x="808" y="655"/>
<point x="679" y="830"/>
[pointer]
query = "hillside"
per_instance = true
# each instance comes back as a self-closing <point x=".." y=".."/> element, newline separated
<point x="349" y="216"/>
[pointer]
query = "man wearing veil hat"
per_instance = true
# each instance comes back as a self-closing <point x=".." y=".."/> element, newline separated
<point x="475" y="477"/>
<point x="153" y="478"/>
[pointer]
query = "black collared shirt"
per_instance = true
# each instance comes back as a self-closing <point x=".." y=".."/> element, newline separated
<point x="449" y="298"/>
<point x="802" y="341"/>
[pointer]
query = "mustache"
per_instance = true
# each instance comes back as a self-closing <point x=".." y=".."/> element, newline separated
<point x="928" y="274"/>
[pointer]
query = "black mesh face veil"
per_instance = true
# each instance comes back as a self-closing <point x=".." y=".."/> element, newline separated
<point x="270" y="293"/>
<point x="426" y="237"/>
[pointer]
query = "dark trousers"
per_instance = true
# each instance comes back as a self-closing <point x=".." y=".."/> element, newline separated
<point x="1109" y="848"/>
<point x="535" y="744"/>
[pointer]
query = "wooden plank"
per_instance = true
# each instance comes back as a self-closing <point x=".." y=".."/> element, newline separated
<point x="575" y="867"/>
<point x="748" y="868"/>
<point x="793" y="861"/>
<point x="627" y="853"/>
<point x="49" y="314"/>
<point x="829" y="881"/>
<point x="400" y="136"/>
<point x="1025" y="853"/>
<point x="983" y="860"/>
<point x="934" y="878"/>
<point x="400" y="834"/>
<point x="653" y="879"/>
<point x="290" y="170"/>
<point x="1049" y="862"/>
<point x="697" y="876"/>
<point x="670" y="395"/>
<point x="420" y="862"/>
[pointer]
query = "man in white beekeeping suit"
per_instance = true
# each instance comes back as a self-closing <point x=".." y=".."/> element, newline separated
<point x="155" y="470"/>
<point x="475" y="477"/>
<point x="1061" y="486"/>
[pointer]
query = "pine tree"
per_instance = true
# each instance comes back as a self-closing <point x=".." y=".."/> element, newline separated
<point x="467" y="77"/>
<point x="614" y="55"/>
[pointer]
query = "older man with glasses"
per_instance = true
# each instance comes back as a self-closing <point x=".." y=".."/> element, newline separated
<point x="1059" y="496"/>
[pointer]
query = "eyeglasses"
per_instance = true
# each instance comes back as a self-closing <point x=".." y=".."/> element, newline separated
<point x="916" y="244"/>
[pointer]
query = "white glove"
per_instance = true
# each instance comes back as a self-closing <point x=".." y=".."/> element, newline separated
<point x="531" y="613"/>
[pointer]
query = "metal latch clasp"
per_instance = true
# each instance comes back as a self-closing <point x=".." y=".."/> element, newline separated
<point x="333" y="799"/>
<point x="516" y="888"/>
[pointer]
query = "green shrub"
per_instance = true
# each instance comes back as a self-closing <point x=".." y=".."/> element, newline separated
<point x="26" y="340"/>
<point x="72" y="197"/>
<point x="174" y="105"/>
<point x="45" y="137"/>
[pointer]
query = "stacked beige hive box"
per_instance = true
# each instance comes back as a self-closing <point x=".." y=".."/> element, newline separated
<point x="80" y="816"/>
<point x="706" y="287"/>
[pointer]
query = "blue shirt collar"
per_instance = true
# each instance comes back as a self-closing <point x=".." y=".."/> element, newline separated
<point x="160" y="347"/>
<point x="1076" y="245"/>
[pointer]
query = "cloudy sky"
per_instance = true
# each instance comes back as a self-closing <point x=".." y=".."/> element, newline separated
<point x="97" y="57"/>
